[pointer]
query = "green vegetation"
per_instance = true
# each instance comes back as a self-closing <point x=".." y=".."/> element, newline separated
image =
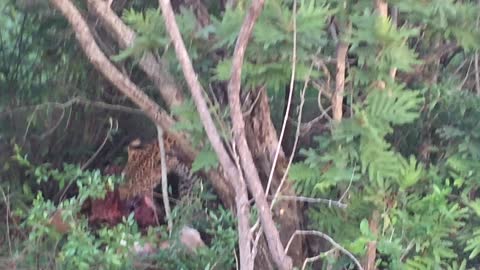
<point x="404" y="157"/>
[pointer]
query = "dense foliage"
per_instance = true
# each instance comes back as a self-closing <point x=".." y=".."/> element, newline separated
<point x="405" y="157"/>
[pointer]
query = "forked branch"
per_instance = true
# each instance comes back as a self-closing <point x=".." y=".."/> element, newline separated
<point x="241" y="200"/>
<point x="250" y="171"/>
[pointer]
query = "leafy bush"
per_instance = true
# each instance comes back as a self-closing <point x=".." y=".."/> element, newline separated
<point x="60" y="236"/>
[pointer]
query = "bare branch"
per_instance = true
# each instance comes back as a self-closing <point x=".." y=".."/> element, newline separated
<point x="297" y="135"/>
<point x="91" y="159"/>
<point x="69" y="103"/>
<point x="102" y="64"/>
<point x="252" y="177"/>
<point x="125" y="37"/>
<point x="329" y="239"/>
<point x="243" y="209"/>
<point x="163" y="161"/>
<point x="313" y="200"/>
<point x="151" y="109"/>
<point x="290" y="94"/>
<point x="477" y="73"/>
<point x="6" y="200"/>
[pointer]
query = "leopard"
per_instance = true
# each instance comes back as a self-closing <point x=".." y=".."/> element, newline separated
<point x="143" y="169"/>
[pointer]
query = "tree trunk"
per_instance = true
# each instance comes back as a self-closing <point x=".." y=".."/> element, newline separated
<point x="263" y="140"/>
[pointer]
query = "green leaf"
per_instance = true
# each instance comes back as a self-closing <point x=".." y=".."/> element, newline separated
<point x="205" y="160"/>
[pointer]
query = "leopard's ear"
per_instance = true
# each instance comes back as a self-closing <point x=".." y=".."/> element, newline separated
<point x="135" y="143"/>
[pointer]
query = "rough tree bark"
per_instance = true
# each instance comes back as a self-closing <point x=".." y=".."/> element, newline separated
<point x="153" y="111"/>
<point x="125" y="37"/>
<point x="252" y="177"/>
<point x="124" y="85"/>
<point x="263" y="140"/>
<point x="241" y="198"/>
<point x="337" y="99"/>
<point x="161" y="78"/>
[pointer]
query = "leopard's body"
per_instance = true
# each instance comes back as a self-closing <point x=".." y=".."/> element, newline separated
<point x="143" y="169"/>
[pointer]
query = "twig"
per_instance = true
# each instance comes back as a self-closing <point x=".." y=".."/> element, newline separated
<point x="320" y="106"/>
<point x="7" y="221"/>
<point x="90" y="160"/>
<point x="68" y="119"/>
<point x="477" y="74"/>
<point x="410" y="245"/>
<point x="290" y="94"/>
<point x="107" y="136"/>
<point x="466" y="74"/>
<point x="163" y="161"/>
<point x="311" y="259"/>
<point x="29" y="122"/>
<point x="330" y="202"/>
<point x="349" y="184"/>
<point x="236" y="260"/>
<point x="313" y="200"/>
<point x="52" y="129"/>
<point x="249" y="110"/>
<point x="69" y="103"/>
<point x="297" y="135"/>
<point x="329" y="239"/>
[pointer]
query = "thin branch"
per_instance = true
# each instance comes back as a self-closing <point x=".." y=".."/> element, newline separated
<point x="104" y="66"/>
<point x="70" y="103"/>
<point x="329" y="239"/>
<point x="241" y="200"/>
<point x="130" y="90"/>
<point x="125" y="37"/>
<point x="319" y="101"/>
<point x="7" y="221"/>
<point x="467" y="74"/>
<point x="163" y="161"/>
<point x="297" y="135"/>
<point x="195" y="88"/>
<point x="477" y="73"/>
<point x="290" y="94"/>
<point x="52" y="129"/>
<point x="313" y="200"/>
<point x="254" y="103"/>
<point x="310" y="260"/>
<point x="91" y="159"/>
<point x="252" y="177"/>
<point x="349" y="184"/>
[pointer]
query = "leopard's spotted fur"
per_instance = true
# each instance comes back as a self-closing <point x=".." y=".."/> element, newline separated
<point x="143" y="169"/>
